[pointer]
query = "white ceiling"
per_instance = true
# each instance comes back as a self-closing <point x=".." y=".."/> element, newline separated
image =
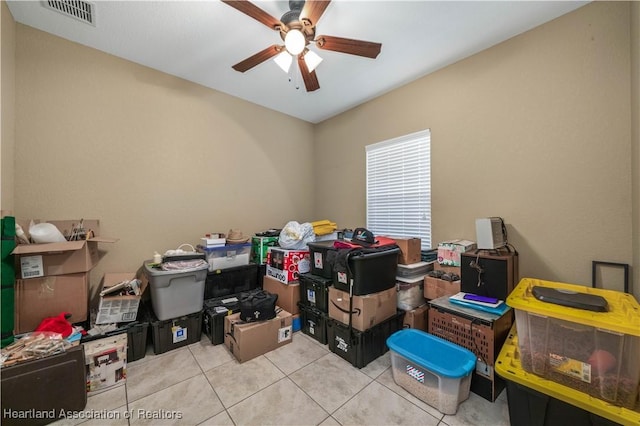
<point x="199" y="41"/>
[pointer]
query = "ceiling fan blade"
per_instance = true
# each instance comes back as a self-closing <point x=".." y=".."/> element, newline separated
<point x="310" y="78"/>
<point x="346" y="45"/>
<point x="258" y="58"/>
<point x="255" y="12"/>
<point x="312" y="11"/>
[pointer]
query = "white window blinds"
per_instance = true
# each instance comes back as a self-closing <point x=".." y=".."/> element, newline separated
<point x="399" y="187"/>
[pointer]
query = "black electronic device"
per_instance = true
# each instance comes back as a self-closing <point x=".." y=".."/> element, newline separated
<point x="572" y="299"/>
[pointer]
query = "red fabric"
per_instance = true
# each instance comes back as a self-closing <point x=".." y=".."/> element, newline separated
<point x="57" y="324"/>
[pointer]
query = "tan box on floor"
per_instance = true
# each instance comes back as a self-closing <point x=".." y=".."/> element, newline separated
<point x="409" y="250"/>
<point x="39" y="298"/>
<point x="115" y="308"/>
<point x="435" y="287"/>
<point x="288" y="294"/>
<point x="417" y="318"/>
<point x="69" y="257"/>
<point x="250" y="340"/>
<point x="368" y="310"/>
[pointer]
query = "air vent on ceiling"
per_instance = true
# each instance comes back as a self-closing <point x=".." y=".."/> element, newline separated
<point x="78" y="9"/>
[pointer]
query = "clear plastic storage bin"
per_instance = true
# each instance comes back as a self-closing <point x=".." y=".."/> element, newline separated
<point x="432" y="369"/>
<point x="596" y="353"/>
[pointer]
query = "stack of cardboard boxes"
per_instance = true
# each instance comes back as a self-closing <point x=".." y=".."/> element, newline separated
<point x="249" y="340"/>
<point x="410" y="283"/>
<point x="54" y="277"/>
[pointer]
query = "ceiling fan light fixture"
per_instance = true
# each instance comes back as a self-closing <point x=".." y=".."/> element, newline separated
<point x="312" y="59"/>
<point x="295" y="42"/>
<point x="284" y="59"/>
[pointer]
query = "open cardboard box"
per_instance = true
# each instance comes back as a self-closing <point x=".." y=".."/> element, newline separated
<point x="69" y="257"/>
<point x="114" y="308"/>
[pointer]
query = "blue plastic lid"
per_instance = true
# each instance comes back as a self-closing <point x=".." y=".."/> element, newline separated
<point x="433" y="353"/>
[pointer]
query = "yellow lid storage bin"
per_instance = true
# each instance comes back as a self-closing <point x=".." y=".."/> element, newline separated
<point x="596" y="353"/>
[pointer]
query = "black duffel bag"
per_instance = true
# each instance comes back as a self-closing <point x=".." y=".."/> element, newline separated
<point x="258" y="306"/>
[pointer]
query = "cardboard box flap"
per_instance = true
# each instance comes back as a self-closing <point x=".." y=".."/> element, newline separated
<point x="65" y="227"/>
<point x="48" y="247"/>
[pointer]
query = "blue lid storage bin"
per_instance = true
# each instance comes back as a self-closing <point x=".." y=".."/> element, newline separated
<point x="432" y="369"/>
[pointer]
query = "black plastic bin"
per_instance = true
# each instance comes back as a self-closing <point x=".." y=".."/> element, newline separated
<point x="214" y="312"/>
<point x="362" y="347"/>
<point x="322" y="255"/>
<point x="175" y="333"/>
<point x="314" y="322"/>
<point x="314" y="291"/>
<point x="372" y="272"/>
<point x="528" y="407"/>
<point x="234" y="280"/>
<point x="137" y="332"/>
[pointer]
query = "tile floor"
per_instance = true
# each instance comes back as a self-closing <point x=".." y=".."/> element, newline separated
<point x="301" y="383"/>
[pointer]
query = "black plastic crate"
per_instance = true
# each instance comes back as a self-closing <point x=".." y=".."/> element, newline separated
<point x="528" y="407"/>
<point x="314" y="291"/>
<point x="137" y="332"/>
<point x="322" y="258"/>
<point x="214" y="312"/>
<point x="314" y="322"/>
<point x="362" y="347"/>
<point x="229" y="281"/>
<point x="372" y="272"/>
<point x="175" y="333"/>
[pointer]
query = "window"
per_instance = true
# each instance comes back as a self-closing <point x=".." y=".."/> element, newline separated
<point x="399" y="187"/>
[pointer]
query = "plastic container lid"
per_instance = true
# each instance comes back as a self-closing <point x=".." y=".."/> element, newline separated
<point x="432" y="352"/>
<point x="150" y="271"/>
<point x="623" y="315"/>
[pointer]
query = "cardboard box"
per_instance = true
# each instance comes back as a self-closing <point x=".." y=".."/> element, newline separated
<point x="115" y="308"/>
<point x="287" y="265"/>
<point x="448" y="269"/>
<point x="259" y="248"/>
<point x="449" y="251"/>
<point x="69" y="257"/>
<point x="39" y="298"/>
<point x="288" y="294"/>
<point x="417" y="318"/>
<point x="435" y="287"/>
<point x="409" y="250"/>
<point x="106" y="361"/>
<point x="250" y="340"/>
<point x="368" y="310"/>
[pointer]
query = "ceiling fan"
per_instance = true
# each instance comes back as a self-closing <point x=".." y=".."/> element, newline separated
<point x="297" y="28"/>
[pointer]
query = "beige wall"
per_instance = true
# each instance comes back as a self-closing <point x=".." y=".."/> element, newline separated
<point x="159" y="160"/>
<point x="535" y="130"/>
<point x="7" y="102"/>
<point x="635" y="138"/>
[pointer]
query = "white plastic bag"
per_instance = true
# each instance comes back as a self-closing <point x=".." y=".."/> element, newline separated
<point x="45" y="233"/>
<point x="296" y="236"/>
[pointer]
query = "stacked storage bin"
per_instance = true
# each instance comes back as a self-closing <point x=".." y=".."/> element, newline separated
<point x="223" y="290"/>
<point x="534" y="400"/>
<point x="561" y="340"/>
<point x="8" y="225"/>
<point x="177" y="299"/>
<point x="363" y="303"/>
<point x="410" y="279"/>
<point x="314" y="291"/>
